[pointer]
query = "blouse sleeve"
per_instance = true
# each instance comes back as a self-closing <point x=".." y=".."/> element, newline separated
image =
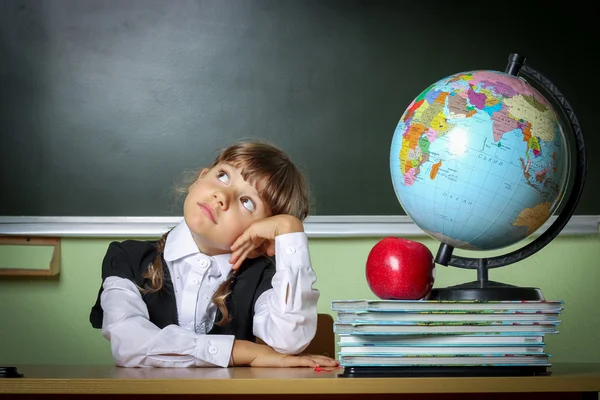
<point x="285" y="317"/>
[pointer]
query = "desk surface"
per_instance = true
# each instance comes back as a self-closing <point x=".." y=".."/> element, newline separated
<point x="108" y="379"/>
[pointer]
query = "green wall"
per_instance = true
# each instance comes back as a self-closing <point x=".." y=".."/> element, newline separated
<point x="45" y="321"/>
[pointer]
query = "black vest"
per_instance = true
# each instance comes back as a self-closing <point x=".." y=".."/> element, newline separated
<point x="130" y="259"/>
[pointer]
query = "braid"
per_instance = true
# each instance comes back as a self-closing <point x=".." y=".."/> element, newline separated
<point x="220" y="299"/>
<point x="155" y="273"/>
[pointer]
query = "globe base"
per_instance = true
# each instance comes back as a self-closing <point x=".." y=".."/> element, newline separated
<point x="486" y="291"/>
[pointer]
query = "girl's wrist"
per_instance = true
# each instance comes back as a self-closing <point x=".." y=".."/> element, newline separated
<point x="289" y="224"/>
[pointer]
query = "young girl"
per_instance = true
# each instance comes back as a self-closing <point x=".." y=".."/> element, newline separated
<point x="202" y="294"/>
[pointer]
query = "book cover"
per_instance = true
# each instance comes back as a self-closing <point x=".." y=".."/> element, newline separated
<point x="446" y="305"/>
<point x="443" y="360"/>
<point x="433" y="350"/>
<point x="498" y="339"/>
<point x="391" y="316"/>
<point x="442" y="328"/>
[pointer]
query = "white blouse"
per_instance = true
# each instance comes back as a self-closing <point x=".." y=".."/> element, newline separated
<point x="287" y="326"/>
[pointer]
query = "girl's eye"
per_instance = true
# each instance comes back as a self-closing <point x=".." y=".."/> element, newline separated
<point x="222" y="176"/>
<point x="249" y="204"/>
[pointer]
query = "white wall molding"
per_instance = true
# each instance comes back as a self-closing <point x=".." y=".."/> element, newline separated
<point x="315" y="226"/>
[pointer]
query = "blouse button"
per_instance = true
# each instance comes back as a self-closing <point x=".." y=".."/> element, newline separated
<point x="213" y="350"/>
<point x="204" y="263"/>
<point x="290" y="250"/>
<point x="195" y="282"/>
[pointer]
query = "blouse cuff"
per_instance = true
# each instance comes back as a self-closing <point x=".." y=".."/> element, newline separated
<point x="291" y="250"/>
<point x="214" y="349"/>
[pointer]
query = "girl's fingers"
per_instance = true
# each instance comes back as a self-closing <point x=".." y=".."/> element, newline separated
<point x="328" y="362"/>
<point x="270" y="250"/>
<point x="242" y="257"/>
<point x="237" y="253"/>
<point x="240" y="241"/>
<point x="258" y="231"/>
<point x="324" y="361"/>
<point x="240" y="249"/>
<point x="251" y="248"/>
<point x="322" y="357"/>
<point x="247" y="237"/>
<point x="302" y="362"/>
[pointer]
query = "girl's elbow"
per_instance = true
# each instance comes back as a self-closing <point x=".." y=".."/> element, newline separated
<point x="128" y="362"/>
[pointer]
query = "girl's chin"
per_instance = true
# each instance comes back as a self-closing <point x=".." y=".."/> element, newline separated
<point x="198" y="224"/>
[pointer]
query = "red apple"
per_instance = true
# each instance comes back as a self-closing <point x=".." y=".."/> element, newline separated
<point x="400" y="269"/>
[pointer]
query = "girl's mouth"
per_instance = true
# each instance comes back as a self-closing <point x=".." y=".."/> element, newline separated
<point x="208" y="211"/>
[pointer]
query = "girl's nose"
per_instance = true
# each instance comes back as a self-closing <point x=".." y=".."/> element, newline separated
<point x="221" y="199"/>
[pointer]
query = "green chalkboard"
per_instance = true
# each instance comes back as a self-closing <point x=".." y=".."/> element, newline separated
<point x="104" y="104"/>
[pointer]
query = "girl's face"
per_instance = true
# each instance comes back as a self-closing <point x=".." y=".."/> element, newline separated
<point x="220" y="206"/>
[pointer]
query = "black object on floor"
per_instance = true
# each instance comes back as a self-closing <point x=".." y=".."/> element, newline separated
<point x="9" y="372"/>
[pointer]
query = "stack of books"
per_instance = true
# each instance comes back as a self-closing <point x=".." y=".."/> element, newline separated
<point x="400" y="333"/>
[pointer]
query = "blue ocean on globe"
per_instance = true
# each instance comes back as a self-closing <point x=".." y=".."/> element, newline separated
<point x="479" y="160"/>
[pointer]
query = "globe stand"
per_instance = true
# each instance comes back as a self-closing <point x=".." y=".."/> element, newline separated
<point x="483" y="289"/>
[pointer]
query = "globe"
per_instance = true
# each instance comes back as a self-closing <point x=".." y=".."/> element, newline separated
<point x="480" y="160"/>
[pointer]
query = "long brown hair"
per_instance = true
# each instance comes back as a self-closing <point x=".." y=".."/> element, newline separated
<point x="282" y="188"/>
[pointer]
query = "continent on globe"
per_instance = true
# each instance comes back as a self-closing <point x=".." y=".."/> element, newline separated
<point x="533" y="218"/>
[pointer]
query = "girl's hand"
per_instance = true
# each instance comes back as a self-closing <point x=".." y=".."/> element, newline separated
<point x="245" y="352"/>
<point x="259" y="238"/>
<point x="302" y="360"/>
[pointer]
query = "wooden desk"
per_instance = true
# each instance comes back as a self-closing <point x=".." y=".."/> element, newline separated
<point x="566" y="381"/>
